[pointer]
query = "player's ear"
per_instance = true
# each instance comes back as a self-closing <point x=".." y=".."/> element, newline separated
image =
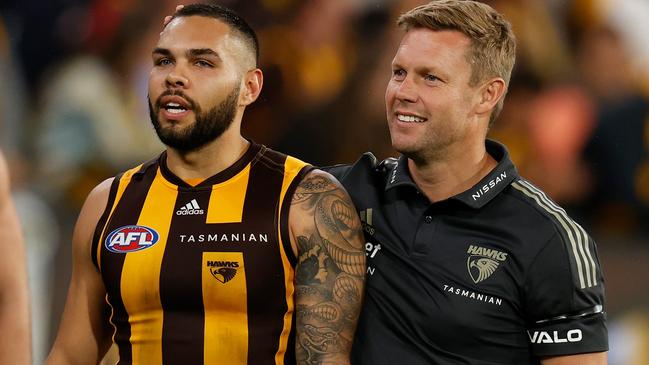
<point x="252" y="83"/>
<point x="490" y="93"/>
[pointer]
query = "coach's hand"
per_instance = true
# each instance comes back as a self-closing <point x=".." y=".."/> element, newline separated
<point x="168" y="18"/>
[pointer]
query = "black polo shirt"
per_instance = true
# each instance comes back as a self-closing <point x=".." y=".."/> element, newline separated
<point x="498" y="274"/>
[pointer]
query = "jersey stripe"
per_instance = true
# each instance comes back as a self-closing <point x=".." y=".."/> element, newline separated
<point x="226" y="304"/>
<point x="230" y="196"/>
<point x="268" y="172"/>
<point x="576" y="234"/>
<point x="141" y="273"/>
<point x="181" y="285"/>
<point x="586" y="249"/>
<point x="132" y="199"/>
<point x="289" y="184"/>
<point x="122" y="182"/>
<point x="225" y="321"/>
<point x="101" y="224"/>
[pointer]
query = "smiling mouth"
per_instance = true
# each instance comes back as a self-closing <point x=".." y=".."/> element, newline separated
<point x="410" y="119"/>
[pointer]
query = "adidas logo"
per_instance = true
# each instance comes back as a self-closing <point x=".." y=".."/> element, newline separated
<point x="190" y="208"/>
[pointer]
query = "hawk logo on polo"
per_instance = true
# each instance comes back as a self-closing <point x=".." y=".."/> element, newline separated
<point x="223" y="271"/>
<point x="482" y="262"/>
<point x="190" y="208"/>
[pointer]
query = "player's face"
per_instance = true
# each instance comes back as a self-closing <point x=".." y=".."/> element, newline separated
<point x="429" y="101"/>
<point x="195" y="81"/>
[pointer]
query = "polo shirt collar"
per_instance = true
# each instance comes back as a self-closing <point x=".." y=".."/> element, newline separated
<point x="482" y="192"/>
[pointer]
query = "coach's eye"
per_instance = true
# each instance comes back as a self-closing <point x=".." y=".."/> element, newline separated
<point x="398" y="74"/>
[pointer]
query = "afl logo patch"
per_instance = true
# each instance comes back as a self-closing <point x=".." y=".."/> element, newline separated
<point x="131" y="238"/>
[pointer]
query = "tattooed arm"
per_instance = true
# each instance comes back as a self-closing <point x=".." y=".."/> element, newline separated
<point x="330" y="272"/>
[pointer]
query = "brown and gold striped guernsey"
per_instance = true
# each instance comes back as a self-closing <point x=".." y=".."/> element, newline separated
<point x="203" y="274"/>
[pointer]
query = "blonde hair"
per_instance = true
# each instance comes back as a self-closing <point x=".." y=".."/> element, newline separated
<point x="493" y="44"/>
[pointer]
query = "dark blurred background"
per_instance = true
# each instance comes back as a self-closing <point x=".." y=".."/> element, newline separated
<point x="576" y="120"/>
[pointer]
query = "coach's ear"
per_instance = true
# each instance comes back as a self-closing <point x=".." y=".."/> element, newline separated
<point x="490" y="94"/>
<point x="252" y="83"/>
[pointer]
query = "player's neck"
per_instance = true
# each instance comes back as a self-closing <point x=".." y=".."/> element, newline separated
<point x="210" y="159"/>
<point x="456" y="171"/>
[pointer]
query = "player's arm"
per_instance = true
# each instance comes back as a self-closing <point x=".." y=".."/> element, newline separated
<point x="597" y="358"/>
<point x="84" y="332"/>
<point x="330" y="271"/>
<point x="14" y="297"/>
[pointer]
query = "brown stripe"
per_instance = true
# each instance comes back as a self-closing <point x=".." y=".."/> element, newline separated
<point x="267" y="302"/>
<point x="126" y="213"/>
<point x="96" y="237"/>
<point x="181" y="284"/>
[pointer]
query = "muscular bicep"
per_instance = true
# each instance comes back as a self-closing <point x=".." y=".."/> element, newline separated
<point x="84" y="332"/>
<point x="330" y="270"/>
<point x="596" y="358"/>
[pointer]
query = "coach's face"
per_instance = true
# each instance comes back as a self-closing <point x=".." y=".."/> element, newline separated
<point x="429" y="101"/>
<point x="199" y="69"/>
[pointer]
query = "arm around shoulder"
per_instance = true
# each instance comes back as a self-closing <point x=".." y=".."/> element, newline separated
<point x="330" y="271"/>
<point x="84" y="332"/>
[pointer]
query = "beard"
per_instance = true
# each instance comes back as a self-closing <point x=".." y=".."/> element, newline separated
<point x="207" y="127"/>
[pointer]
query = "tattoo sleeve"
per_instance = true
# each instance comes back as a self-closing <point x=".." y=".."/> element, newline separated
<point x="330" y="271"/>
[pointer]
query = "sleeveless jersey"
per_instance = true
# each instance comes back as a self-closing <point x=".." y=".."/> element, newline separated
<point x="203" y="274"/>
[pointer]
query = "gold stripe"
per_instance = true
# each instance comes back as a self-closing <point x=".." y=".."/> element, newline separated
<point x="140" y="285"/>
<point x="225" y="299"/>
<point x="526" y="190"/>
<point x="226" y="200"/>
<point x="582" y="237"/>
<point x="123" y="182"/>
<point x="291" y="168"/>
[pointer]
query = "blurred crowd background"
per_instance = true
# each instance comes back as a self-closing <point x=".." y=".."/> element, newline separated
<point x="73" y="76"/>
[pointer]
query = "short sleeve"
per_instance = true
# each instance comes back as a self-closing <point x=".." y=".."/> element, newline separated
<point x="564" y="297"/>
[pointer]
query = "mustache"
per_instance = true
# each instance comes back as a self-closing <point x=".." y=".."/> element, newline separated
<point x="192" y="104"/>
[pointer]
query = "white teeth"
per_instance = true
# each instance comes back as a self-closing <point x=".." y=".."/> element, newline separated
<point x="410" y="118"/>
<point x="174" y="108"/>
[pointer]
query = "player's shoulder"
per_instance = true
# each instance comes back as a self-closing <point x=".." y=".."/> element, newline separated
<point x="367" y="169"/>
<point x="318" y="181"/>
<point x="277" y="162"/>
<point x="98" y="198"/>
